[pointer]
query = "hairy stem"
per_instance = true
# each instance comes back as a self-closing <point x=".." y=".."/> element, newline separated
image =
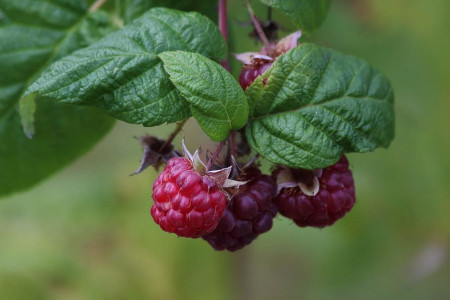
<point x="259" y="29"/>
<point x="96" y="5"/>
<point x="216" y="154"/>
<point x="173" y="134"/>
<point x="223" y="26"/>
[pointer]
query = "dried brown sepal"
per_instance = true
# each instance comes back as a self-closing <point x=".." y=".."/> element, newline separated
<point x="156" y="153"/>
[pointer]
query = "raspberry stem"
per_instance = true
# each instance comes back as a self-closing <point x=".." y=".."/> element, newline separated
<point x="173" y="134"/>
<point x="233" y="142"/>
<point x="216" y="154"/>
<point x="223" y="26"/>
<point x="259" y="29"/>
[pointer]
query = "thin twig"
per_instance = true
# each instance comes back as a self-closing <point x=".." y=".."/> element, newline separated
<point x="173" y="134"/>
<point x="96" y="5"/>
<point x="223" y="26"/>
<point x="259" y="29"/>
<point x="216" y="154"/>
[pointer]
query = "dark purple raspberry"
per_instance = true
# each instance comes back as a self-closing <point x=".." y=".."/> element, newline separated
<point x="248" y="215"/>
<point x="250" y="72"/>
<point x="334" y="199"/>
<point x="186" y="203"/>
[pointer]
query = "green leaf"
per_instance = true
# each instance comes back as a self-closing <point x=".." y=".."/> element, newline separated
<point x="307" y="14"/>
<point x="217" y="100"/>
<point x="314" y="104"/>
<point x="33" y="33"/>
<point x="131" y="9"/>
<point x="122" y="73"/>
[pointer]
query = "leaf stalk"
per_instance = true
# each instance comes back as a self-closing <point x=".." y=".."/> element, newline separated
<point x="216" y="154"/>
<point x="259" y="29"/>
<point x="173" y="134"/>
<point x="223" y="27"/>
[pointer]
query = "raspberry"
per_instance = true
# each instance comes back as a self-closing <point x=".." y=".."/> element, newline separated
<point x="248" y="215"/>
<point x="186" y="203"/>
<point x="256" y="63"/>
<point x="335" y="196"/>
<point x="250" y="72"/>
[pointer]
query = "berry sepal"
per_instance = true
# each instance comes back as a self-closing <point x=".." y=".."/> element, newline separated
<point x="156" y="153"/>
<point x="306" y="180"/>
<point x="221" y="176"/>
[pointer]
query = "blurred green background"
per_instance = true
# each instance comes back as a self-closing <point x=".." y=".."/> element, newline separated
<point x="87" y="232"/>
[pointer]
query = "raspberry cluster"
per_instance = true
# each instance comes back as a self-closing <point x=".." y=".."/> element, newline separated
<point x="249" y="213"/>
<point x="193" y="203"/>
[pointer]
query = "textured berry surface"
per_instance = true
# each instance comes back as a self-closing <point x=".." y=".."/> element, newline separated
<point x="185" y="202"/>
<point x="335" y="198"/>
<point x="250" y="73"/>
<point x="248" y="215"/>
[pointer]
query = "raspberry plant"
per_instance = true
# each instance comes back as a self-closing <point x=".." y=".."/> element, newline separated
<point x="68" y="64"/>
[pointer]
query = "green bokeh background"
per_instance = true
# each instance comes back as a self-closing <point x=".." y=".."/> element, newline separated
<point x="87" y="232"/>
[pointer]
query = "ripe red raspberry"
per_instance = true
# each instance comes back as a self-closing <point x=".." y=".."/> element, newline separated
<point x="186" y="203"/>
<point x="250" y="72"/>
<point x="248" y="215"/>
<point x="334" y="198"/>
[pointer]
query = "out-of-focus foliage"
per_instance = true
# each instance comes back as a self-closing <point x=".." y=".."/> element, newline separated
<point x="307" y="14"/>
<point x="88" y="234"/>
<point x="32" y="35"/>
